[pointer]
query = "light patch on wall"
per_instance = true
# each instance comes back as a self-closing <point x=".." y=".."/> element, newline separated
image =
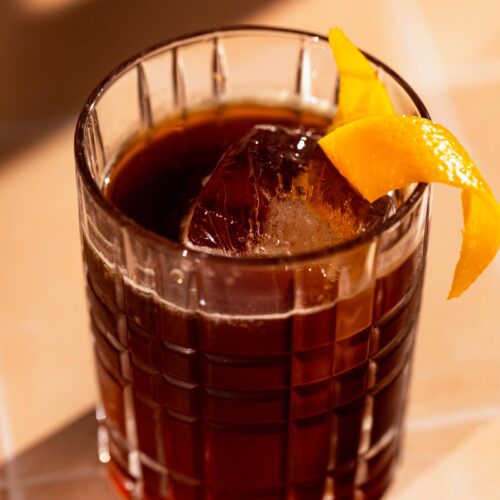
<point x="46" y="6"/>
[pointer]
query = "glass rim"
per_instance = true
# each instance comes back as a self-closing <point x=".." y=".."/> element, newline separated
<point x="155" y="238"/>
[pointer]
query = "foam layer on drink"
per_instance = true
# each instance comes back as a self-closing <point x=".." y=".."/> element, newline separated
<point x="332" y="286"/>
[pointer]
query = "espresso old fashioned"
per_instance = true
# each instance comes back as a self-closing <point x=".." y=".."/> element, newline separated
<point x="254" y="317"/>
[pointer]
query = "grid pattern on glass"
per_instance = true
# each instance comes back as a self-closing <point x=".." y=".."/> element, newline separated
<point x="286" y="385"/>
<point x="202" y="395"/>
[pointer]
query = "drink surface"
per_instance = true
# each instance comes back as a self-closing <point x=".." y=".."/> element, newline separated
<point x="299" y="405"/>
<point x="159" y="178"/>
<point x="242" y="180"/>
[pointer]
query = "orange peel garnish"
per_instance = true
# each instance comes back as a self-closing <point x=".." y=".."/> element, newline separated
<point x="361" y="93"/>
<point x="378" y="153"/>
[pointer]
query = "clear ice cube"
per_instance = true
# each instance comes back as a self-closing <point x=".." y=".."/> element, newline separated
<point x="274" y="192"/>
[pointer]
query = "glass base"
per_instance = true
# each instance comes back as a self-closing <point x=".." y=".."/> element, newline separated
<point x="152" y="483"/>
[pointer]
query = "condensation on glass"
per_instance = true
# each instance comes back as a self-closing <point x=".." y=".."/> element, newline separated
<point x="230" y="378"/>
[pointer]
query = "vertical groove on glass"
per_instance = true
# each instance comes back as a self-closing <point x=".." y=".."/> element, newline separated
<point x="361" y="475"/>
<point x="178" y="80"/>
<point x="196" y="299"/>
<point x="303" y="80"/>
<point x="117" y="257"/>
<point x="90" y="152"/>
<point x="123" y="252"/>
<point x="332" y="446"/>
<point x="336" y="92"/>
<point x="81" y="207"/>
<point x="102" y="439"/>
<point x="366" y="426"/>
<point x="144" y="99"/>
<point x="134" y="463"/>
<point x="219" y="69"/>
<point x="97" y="145"/>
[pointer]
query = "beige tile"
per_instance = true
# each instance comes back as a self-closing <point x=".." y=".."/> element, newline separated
<point x="95" y="488"/>
<point x="46" y="373"/>
<point x="456" y="361"/>
<point x="456" y="366"/>
<point x="464" y="31"/>
<point x="369" y="24"/>
<point x="456" y="463"/>
<point x="425" y="448"/>
<point x="478" y="108"/>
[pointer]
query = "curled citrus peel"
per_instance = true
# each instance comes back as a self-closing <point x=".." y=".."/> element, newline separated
<point x="378" y="151"/>
<point x="361" y="93"/>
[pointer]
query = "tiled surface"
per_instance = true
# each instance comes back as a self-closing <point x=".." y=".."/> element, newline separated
<point x="451" y="20"/>
<point x="425" y="447"/>
<point x="94" y="487"/>
<point x="469" y="101"/>
<point x="46" y="374"/>
<point x="43" y="320"/>
<point x="69" y="449"/>
<point x="63" y="465"/>
<point x="454" y="464"/>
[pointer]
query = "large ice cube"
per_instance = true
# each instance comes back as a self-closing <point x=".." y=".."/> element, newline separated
<point x="274" y="192"/>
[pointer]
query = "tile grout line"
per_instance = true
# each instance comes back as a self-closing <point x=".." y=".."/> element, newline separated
<point x="453" y="418"/>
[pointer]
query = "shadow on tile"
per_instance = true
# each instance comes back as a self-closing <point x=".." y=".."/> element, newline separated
<point x="70" y="452"/>
<point x="51" y="62"/>
<point x="95" y="488"/>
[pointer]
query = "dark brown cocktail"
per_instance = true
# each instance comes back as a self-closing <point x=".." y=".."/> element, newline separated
<point x="229" y="371"/>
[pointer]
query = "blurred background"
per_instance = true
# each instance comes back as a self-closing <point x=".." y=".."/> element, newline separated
<point x="53" y="52"/>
